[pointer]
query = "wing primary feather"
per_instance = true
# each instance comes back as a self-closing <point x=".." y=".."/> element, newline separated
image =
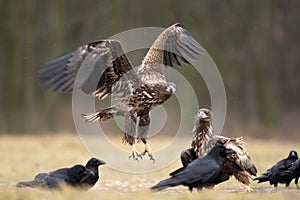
<point x="55" y="66"/>
<point x="174" y="59"/>
<point x="196" y="47"/>
<point x="184" y="60"/>
<point x="169" y="59"/>
<point x="183" y="52"/>
<point x="105" y="63"/>
<point x="187" y="45"/>
<point x="191" y="43"/>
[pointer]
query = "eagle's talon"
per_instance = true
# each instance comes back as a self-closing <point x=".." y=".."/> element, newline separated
<point x="134" y="155"/>
<point x="248" y="189"/>
<point x="152" y="158"/>
<point x="149" y="152"/>
<point x="140" y="156"/>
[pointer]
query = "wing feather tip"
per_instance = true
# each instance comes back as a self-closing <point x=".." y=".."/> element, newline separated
<point x="90" y="117"/>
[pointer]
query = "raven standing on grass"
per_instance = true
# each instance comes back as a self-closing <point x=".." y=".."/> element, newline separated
<point x="294" y="171"/>
<point x="78" y="176"/>
<point x="199" y="173"/>
<point x="276" y="174"/>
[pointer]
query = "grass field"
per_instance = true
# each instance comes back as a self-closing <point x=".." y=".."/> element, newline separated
<point x="24" y="156"/>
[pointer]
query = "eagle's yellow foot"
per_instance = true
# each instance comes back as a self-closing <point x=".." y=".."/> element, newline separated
<point x="149" y="152"/>
<point x="134" y="154"/>
<point x="248" y="189"/>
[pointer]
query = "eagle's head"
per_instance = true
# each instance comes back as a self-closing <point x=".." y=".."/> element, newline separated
<point x="203" y="139"/>
<point x="204" y="115"/>
<point x="203" y="119"/>
<point x="171" y="87"/>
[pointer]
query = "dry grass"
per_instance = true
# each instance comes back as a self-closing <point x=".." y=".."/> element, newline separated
<point x="24" y="156"/>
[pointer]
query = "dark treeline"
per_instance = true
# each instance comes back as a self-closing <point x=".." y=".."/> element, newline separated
<point x="255" y="45"/>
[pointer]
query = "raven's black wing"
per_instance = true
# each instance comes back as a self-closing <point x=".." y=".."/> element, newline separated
<point x="278" y="169"/>
<point x="196" y="174"/>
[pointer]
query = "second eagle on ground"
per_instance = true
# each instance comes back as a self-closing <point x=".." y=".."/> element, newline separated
<point x="239" y="165"/>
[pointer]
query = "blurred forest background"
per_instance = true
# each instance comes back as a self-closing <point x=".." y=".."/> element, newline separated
<point x="254" y="43"/>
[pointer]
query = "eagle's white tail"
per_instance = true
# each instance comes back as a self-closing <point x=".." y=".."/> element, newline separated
<point x="101" y="115"/>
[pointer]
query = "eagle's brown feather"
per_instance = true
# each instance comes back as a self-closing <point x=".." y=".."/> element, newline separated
<point x="103" y="69"/>
<point x="239" y="165"/>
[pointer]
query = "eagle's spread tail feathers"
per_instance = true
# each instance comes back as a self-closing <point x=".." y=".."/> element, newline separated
<point x="101" y="115"/>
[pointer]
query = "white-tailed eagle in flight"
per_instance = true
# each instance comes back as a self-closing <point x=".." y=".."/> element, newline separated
<point x="112" y="74"/>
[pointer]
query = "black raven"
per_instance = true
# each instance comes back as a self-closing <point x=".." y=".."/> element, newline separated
<point x="69" y="176"/>
<point x="92" y="165"/>
<point x="78" y="176"/>
<point x="239" y="165"/>
<point x="276" y="174"/>
<point x="293" y="172"/>
<point x="199" y="173"/>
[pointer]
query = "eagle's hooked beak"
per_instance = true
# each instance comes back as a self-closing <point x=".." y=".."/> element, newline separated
<point x="171" y="88"/>
<point x="201" y="115"/>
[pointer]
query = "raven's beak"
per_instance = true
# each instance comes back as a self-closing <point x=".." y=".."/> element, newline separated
<point x="201" y="115"/>
<point x="101" y="162"/>
<point x="229" y="151"/>
<point x="294" y="154"/>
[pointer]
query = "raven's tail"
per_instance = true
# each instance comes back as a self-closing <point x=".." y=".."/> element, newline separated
<point x="262" y="178"/>
<point x="28" y="184"/>
<point x="103" y="115"/>
<point x="170" y="182"/>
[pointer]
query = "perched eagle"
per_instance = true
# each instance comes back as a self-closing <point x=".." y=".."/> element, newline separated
<point x="239" y="164"/>
<point x="110" y="73"/>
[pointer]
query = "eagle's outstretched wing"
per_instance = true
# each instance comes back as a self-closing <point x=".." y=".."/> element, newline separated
<point x="173" y="45"/>
<point x="104" y="63"/>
